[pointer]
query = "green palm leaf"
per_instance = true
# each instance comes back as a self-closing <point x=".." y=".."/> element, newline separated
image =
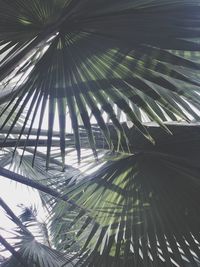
<point x="85" y="53"/>
<point x="113" y="63"/>
<point x="27" y="250"/>
<point x="140" y="212"/>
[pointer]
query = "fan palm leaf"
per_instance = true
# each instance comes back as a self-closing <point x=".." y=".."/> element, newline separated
<point x="27" y="250"/>
<point x="135" y="210"/>
<point x="78" y="55"/>
<point x="139" y="212"/>
<point x="106" y="62"/>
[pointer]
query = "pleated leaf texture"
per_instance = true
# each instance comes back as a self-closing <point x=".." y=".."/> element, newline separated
<point x="85" y="58"/>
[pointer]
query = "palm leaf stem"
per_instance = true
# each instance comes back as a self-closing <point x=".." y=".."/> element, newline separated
<point x="12" y="251"/>
<point x="14" y="218"/>
<point x="29" y="182"/>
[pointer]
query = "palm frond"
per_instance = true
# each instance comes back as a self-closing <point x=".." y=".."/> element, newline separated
<point x="140" y="212"/>
<point x="70" y="65"/>
<point x="26" y="250"/>
<point x="76" y="56"/>
<point x="35" y="254"/>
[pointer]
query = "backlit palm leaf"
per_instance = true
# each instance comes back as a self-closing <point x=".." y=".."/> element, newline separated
<point x="87" y="56"/>
<point x="108" y="62"/>
<point x="31" y="245"/>
<point x="140" y="212"/>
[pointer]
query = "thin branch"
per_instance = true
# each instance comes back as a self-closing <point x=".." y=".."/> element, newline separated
<point x="16" y="254"/>
<point x="31" y="142"/>
<point x="43" y="156"/>
<point x="17" y="130"/>
<point x="15" y="219"/>
<point x="5" y="95"/>
<point x="26" y="181"/>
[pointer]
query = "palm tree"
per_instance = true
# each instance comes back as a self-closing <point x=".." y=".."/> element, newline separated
<point x="89" y="68"/>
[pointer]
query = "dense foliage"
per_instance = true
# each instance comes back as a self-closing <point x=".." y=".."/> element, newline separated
<point x="89" y="68"/>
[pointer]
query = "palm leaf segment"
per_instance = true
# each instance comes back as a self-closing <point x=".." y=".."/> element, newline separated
<point x="140" y="212"/>
<point x="35" y="252"/>
<point x="92" y="56"/>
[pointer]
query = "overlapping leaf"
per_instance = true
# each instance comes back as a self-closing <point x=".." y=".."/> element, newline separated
<point x="142" y="211"/>
<point x="89" y="56"/>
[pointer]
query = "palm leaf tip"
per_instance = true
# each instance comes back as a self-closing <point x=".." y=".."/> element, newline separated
<point x="126" y="200"/>
<point x="111" y="63"/>
<point x="86" y="63"/>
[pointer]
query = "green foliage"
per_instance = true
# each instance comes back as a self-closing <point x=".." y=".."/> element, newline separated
<point x="112" y="63"/>
<point x="82" y="56"/>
